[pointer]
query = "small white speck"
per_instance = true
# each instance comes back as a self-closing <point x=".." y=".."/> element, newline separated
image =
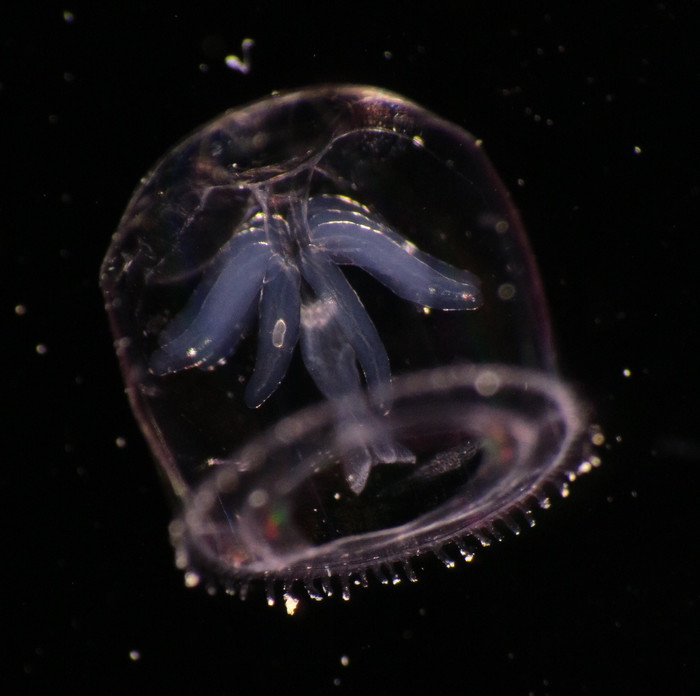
<point x="344" y="660"/>
<point x="506" y="291"/>
<point x="487" y="383"/>
<point x="120" y="442"/>
<point x="235" y="63"/>
<point x="627" y="372"/>
<point x="637" y="150"/>
<point x="191" y="579"/>
<point x="20" y="310"/>
<point x="134" y="655"/>
<point x="258" y="498"/>
<point x="41" y="349"/>
<point x="502" y="226"/>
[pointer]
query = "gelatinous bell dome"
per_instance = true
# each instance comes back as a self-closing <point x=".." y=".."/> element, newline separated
<point x="334" y="338"/>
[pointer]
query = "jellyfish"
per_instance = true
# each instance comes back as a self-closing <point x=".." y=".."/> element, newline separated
<point x="335" y="340"/>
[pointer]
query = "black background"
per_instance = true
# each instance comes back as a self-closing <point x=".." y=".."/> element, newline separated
<point x="592" y="107"/>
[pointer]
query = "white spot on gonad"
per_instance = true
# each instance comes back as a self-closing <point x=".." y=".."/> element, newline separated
<point x="278" y="332"/>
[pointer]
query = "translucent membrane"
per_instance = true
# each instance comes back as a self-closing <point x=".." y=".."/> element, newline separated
<point x="343" y="250"/>
<point x="488" y="441"/>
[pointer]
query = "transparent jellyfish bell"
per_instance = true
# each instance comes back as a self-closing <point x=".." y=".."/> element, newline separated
<point x="335" y="340"/>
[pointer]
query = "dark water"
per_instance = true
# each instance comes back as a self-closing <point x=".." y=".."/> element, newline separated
<point x="586" y="115"/>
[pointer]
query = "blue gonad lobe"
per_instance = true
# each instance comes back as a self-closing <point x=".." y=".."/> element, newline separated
<point x="217" y="315"/>
<point x="278" y="331"/>
<point x="344" y="230"/>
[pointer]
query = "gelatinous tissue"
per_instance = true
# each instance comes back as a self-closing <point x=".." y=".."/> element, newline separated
<point x="334" y="338"/>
